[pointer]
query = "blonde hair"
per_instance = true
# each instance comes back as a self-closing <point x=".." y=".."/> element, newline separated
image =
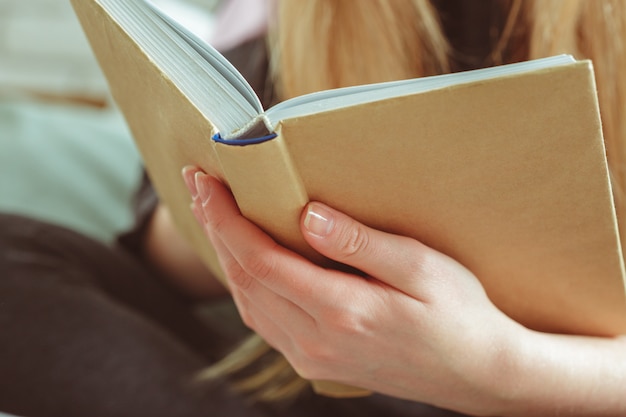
<point x="322" y="44"/>
<point x="325" y="44"/>
<point x="595" y="30"/>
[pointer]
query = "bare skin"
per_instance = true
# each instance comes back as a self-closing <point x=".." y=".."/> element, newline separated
<point x="170" y="253"/>
<point x="420" y="327"/>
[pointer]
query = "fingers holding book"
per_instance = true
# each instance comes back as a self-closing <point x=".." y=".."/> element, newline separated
<point x="333" y="325"/>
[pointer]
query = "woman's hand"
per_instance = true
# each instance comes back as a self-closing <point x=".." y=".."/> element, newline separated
<point x="419" y="326"/>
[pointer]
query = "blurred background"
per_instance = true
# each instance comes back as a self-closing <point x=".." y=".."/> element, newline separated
<point x="66" y="156"/>
<point x="43" y="50"/>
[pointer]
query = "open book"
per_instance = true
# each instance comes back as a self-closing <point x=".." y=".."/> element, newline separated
<point x="503" y="169"/>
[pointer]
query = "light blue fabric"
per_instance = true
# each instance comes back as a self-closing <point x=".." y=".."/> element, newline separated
<point x="70" y="165"/>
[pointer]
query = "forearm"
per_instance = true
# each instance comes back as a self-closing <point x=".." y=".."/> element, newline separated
<point x="568" y="375"/>
<point x="176" y="260"/>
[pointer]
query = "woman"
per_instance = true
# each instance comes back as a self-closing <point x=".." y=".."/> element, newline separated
<point x="410" y="331"/>
<point x="92" y="330"/>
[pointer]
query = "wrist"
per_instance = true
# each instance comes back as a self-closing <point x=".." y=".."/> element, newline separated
<point x="505" y="367"/>
<point x="548" y="374"/>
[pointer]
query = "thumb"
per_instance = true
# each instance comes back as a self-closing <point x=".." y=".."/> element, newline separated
<point x="393" y="259"/>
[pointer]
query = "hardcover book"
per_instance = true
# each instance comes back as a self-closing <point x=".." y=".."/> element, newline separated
<point x="503" y="169"/>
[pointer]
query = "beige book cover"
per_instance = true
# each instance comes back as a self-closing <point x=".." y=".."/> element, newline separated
<point x="506" y="175"/>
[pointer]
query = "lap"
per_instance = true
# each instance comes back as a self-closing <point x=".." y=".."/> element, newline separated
<point x="88" y="330"/>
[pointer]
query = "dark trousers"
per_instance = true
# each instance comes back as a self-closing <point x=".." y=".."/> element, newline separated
<point x="87" y="330"/>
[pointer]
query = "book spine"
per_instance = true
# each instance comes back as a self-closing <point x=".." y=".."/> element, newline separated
<point x="268" y="190"/>
<point x="270" y="193"/>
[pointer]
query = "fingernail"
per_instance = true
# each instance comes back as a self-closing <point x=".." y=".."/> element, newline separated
<point x="203" y="186"/>
<point x="189" y="181"/>
<point x="318" y="220"/>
